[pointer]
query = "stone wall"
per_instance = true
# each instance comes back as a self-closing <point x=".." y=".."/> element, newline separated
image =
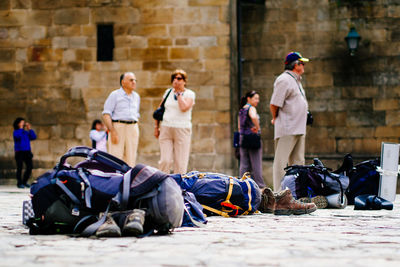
<point x="49" y="73"/>
<point x="355" y="100"/>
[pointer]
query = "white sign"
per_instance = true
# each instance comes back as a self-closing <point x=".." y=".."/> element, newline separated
<point x="389" y="171"/>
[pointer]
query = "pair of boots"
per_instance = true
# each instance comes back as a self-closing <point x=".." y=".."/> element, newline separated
<point x="130" y="222"/>
<point x="283" y="203"/>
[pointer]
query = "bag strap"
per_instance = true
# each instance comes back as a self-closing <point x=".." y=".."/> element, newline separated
<point x="222" y="213"/>
<point x="195" y="223"/>
<point x="165" y="98"/>
<point x="298" y="85"/>
<point x="91" y="229"/>
<point x="94" y="154"/>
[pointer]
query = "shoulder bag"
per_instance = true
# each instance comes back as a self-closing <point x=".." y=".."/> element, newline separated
<point x="252" y="140"/>
<point x="159" y="113"/>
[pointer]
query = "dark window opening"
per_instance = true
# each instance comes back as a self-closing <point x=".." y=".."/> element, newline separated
<point x="105" y="42"/>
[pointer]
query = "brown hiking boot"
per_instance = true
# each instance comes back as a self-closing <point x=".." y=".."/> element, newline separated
<point x="287" y="205"/>
<point x="109" y="228"/>
<point x="267" y="201"/>
<point x="133" y="225"/>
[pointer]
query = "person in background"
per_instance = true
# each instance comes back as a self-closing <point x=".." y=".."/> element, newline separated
<point x="174" y="132"/>
<point x="120" y="115"/>
<point x="249" y="122"/>
<point x="289" y="107"/>
<point x="98" y="135"/>
<point x="23" y="135"/>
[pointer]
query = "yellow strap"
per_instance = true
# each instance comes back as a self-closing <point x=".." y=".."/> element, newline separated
<point x="228" y="197"/>
<point x="224" y="214"/>
<point x="245" y="176"/>
<point x="249" y="195"/>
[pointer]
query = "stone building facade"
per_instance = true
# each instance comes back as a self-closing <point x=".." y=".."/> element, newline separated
<point x="355" y="100"/>
<point x="50" y="74"/>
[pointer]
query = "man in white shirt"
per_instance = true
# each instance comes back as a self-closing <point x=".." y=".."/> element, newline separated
<point x="121" y="115"/>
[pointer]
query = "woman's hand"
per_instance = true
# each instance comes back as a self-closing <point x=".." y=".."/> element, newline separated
<point x="254" y="129"/>
<point x="156" y="132"/>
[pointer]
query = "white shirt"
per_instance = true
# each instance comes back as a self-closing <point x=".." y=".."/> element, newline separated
<point x="100" y="137"/>
<point x="122" y="106"/>
<point x="173" y="116"/>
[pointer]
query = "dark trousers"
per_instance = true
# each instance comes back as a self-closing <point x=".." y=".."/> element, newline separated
<point x="20" y="158"/>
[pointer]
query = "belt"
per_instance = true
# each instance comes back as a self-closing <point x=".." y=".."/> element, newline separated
<point x="126" y="122"/>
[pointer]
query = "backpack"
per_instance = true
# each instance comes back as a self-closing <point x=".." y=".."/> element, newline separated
<point x="222" y="194"/>
<point x="68" y="199"/>
<point x="148" y="188"/>
<point x="364" y="179"/>
<point x="313" y="180"/>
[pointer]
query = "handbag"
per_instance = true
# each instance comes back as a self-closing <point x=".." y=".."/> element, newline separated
<point x="159" y="112"/>
<point x="310" y="118"/>
<point x="251" y="141"/>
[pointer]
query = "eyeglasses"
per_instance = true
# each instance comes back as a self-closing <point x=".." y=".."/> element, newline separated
<point x="178" y="78"/>
<point x="301" y="63"/>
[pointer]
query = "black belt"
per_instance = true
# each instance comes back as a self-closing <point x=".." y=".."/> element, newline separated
<point x="126" y="122"/>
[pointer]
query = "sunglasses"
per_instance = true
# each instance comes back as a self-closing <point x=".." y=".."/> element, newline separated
<point x="178" y="78"/>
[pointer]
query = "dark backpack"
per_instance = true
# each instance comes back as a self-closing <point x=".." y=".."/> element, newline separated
<point x="68" y="199"/>
<point x="220" y="193"/>
<point x="313" y="180"/>
<point x="364" y="179"/>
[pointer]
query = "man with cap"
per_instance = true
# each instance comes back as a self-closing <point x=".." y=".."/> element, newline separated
<point x="288" y="108"/>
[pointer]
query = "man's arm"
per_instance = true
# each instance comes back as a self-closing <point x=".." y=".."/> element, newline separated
<point x="108" y="122"/>
<point x="274" y="112"/>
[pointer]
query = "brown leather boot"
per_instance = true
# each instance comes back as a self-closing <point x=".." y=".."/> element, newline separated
<point x="267" y="201"/>
<point x="287" y="205"/>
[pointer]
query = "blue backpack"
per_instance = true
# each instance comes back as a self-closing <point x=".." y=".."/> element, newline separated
<point x="364" y="179"/>
<point x="68" y="199"/>
<point x="220" y="193"/>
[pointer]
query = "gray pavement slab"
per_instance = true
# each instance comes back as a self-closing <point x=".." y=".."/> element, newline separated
<point x="327" y="237"/>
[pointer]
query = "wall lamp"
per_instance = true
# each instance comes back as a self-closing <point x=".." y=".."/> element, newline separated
<point x="352" y="39"/>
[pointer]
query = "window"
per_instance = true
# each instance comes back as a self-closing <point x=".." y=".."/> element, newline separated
<point x="105" y="42"/>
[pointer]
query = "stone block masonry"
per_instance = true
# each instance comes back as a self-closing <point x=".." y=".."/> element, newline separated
<point x="50" y="75"/>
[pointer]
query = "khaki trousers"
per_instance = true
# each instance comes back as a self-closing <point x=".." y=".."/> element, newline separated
<point x="128" y="140"/>
<point x="289" y="150"/>
<point x="174" y="148"/>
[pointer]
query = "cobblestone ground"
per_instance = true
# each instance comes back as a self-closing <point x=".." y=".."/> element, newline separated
<point x="327" y="237"/>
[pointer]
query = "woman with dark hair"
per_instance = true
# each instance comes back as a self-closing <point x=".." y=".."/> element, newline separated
<point x="174" y="132"/>
<point x="23" y="134"/>
<point x="249" y="126"/>
<point x="98" y="135"/>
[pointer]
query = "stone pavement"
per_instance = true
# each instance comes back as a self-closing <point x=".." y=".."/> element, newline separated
<point x="327" y="237"/>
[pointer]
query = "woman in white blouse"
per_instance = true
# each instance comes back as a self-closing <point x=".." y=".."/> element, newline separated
<point x="174" y="132"/>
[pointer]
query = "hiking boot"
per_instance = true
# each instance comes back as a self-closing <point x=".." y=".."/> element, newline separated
<point x="287" y="205"/>
<point x="320" y="201"/>
<point x="267" y="201"/>
<point x="133" y="225"/>
<point x="109" y="228"/>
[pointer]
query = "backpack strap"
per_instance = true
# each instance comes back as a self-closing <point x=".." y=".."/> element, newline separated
<point x="92" y="228"/>
<point x="125" y="190"/>
<point x="88" y="191"/>
<point x="94" y="154"/>
<point x="222" y="213"/>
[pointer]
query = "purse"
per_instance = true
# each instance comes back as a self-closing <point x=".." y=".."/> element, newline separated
<point x="251" y="141"/>
<point x="158" y="114"/>
<point x="310" y="118"/>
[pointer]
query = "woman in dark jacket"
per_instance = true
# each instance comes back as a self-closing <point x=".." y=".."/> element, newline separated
<point x="23" y="134"/>
<point x="249" y="123"/>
